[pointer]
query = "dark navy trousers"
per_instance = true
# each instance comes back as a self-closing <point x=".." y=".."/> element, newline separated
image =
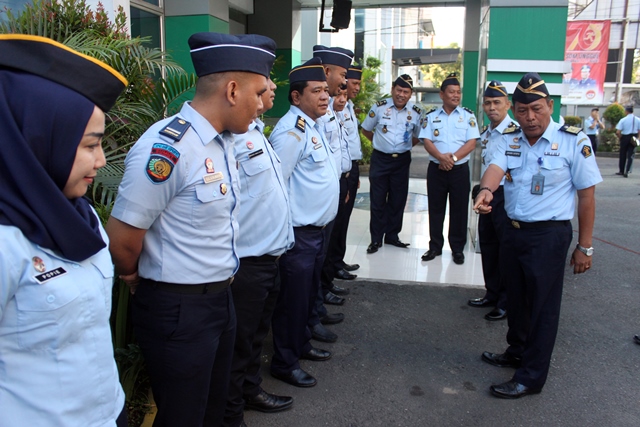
<point x="491" y="232"/>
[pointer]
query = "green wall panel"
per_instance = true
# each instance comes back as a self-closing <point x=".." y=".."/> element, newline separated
<point x="515" y="77"/>
<point x="470" y="80"/>
<point x="528" y="33"/>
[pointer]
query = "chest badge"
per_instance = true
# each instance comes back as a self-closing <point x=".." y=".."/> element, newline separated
<point x="250" y="145"/>
<point x="384" y="129"/>
<point x="436" y="132"/>
<point x="554" y="146"/>
<point x="38" y="264"/>
<point x="409" y="117"/>
<point x="208" y="164"/>
<point x="314" y="140"/>
<point x="223" y="188"/>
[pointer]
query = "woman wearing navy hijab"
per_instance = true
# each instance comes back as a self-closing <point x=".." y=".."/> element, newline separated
<point x="56" y="274"/>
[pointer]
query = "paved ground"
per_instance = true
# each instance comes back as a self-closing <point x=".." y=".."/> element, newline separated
<point x="409" y="355"/>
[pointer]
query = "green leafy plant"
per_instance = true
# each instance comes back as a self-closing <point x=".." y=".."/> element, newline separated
<point x="573" y="121"/>
<point x="613" y="114"/>
<point x="608" y="140"/>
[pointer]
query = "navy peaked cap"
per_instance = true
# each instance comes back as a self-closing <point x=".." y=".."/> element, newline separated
<point x="451" y="79"/>
<point x="219" y="53"/>
<point x="89" y="77"/>
<point x="310" y="71"/>
<point x="333" y="55"/>
<point x="354" y="72"/>
<point x="530" y="88"/>
<point x="404" y="80"/>
<point x="495" y="89"/>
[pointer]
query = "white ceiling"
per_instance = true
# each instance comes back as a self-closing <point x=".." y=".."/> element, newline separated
<point x="384" y="3"/>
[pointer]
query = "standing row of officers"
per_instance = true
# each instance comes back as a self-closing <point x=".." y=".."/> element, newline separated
<point x="222" y="233"/>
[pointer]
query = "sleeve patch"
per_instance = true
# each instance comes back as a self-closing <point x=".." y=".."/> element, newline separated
<point x="586" y="151"/>
<point x="176" y="129"/>
<point x="162" y="160"/>
<point x="372" y="114"/>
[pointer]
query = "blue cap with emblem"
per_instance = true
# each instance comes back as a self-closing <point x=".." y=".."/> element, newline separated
<point x="450" y="80"/>
<point x="495" y="89"/>
<point x="530" y="88"/>
<point x="405" y="81"/>
<point x="333" y="55"/>
<point x="354" y="72"/>
<point x="219" y="53"/>
<point x="310" y="71"/>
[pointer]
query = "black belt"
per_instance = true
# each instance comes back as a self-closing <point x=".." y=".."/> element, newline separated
<point x="538" y="224"/>
<point x="261" y="258"/>
<point x="461" y="165"/>
<point x="178" y="288"/>
<point x="394" y="155"/>
<point x="311" y="227"/>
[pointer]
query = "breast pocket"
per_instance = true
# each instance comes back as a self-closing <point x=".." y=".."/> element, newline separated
<point x="209" y="203"/>
<point x="48" y="313"/>
<point x="259" y="175"/>
<point x="554" y="171"/>
<point x="461" y="131"/>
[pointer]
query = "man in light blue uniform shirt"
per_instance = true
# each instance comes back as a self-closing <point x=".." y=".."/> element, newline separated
<point x="545" y="166"/>
<point x="174" y="226"/>
<point x="309" y="172"/>
<point x="491" y="226"/>
<point x="592" y="126"/>
<point x="449" y="134"/>
<point x="395" y="122"/>
<point x="627" y="128"/>
<point x="266" y="232"/>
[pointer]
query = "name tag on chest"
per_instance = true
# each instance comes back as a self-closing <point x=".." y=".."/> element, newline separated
<point x="48" y="275"/>
<point x="212" y="177"/>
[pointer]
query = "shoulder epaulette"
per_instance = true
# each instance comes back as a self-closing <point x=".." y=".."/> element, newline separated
<point x="381" y="102"/>
<point x="571" y="129"/>
<point x="431" y="110"/>
<point x="468" y="110"/>
<point x="417" y="109"/>
<point x="176" y="129"/>
<point x="510" y="129"/>
<point x="300" y="124"/>
<point x="484" y="129"/>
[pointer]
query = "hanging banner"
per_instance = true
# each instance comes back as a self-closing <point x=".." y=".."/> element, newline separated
<point x="586" y="48"/>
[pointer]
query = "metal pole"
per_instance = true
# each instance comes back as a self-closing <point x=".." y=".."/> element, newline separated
<point x="623" y="53"/>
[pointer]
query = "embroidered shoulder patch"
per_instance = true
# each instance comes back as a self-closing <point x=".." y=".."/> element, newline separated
<point x="417" y="109"/>
<point x="176" y="129"/>
<point x="582" y="140"/>
<point x="162" y="160"/>
<point x="571" y="129"/>
<point x="300" y="124"/>
<point x="372" y="114"/>
<point x="295" y="135"/>
<point x="381" y="102"/>
<point x="586" y="151"/>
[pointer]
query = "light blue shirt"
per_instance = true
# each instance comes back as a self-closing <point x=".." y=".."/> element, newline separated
<point x="353" y="134"/>
<point x="394" y="129"/>
<point x="567" y="163"/>
<point x="307" y="167"/>
<point x="449" y="132"/>
<point x="629" y="125"/>
<point x="56" y="351"/>
<point x="264" y="216"/>
<point x="190" y="217"/>
<point x="587" y="126"/>
<point x="335" y="133"/>
<point x="490" y="139"/>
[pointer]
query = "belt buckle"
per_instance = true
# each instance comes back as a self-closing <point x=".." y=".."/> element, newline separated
<point x="515" y="224"/>
<point x="347" y="175"/>
<point x="394" y="155"/>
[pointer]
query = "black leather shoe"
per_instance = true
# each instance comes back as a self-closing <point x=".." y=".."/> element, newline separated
<point x="430" y="254"/>
<point x="512" y="390"/>
<point x="504" y="360"/>
<point x="333" y="299"/>
<point x="317" y="355"/>
<point x="243" y="424"/>
<point x="320" y="333"/>
<point x="496" y="314"/>
<point x="344" y="275"/>
<point x="351" y="267"/>
<point x="339" y="290"/>
<point x="267" y="402"/>
<point x="396" y="242"/>
<point x="636" y="339"/>
<point x="481" y="302"/>
<point x="297" y="377"/>
<point x="332" y="318"/>
<point x="458" y="258"/>
<point x="373" y="247"/>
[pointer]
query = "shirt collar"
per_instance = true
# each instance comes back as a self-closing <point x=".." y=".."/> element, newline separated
<point x="297" y="111"/>
<point x="502" y="126"/>
<point x="201" y="126"/>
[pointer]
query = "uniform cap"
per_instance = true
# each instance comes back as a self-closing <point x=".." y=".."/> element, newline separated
<point x="585" y="67"/>
<point x="90" y="77"/>
<point x="354" y="72"/>
<point x="530" y="88"/>
<point x="495" y="89"/>
<point x="405" y="81"/>
<point x="219" y="53"/>
<point x="629" y="108"/>
<point x="451" y="79"/>
<point x="333" y="55"/>
<point x="310" y="71"/>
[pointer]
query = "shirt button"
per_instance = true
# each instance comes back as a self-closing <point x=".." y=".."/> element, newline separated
<point x="76" y="266"/>
<point x="50" y="298"/>
<point x="215" y="193"/>
<point x="261" y="166"/>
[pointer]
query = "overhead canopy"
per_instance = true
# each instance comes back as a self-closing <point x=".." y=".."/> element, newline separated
<point x="408" y="57"/>
<point x="363" y="4"/>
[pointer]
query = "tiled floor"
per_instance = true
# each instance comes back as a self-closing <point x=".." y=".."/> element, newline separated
<point x="391" y="264"/>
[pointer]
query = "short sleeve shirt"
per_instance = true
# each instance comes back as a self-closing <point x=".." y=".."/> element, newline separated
<point x="394" y="128"/>
<point x="449" y="132"/>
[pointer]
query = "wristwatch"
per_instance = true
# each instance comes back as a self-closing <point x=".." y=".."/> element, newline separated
<point x="453" y="156"/>
<point x="586" y="251"/>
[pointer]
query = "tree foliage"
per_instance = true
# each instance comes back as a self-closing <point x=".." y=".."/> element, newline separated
<point x="613" y="114"/>
<point x="436" y="73"/>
